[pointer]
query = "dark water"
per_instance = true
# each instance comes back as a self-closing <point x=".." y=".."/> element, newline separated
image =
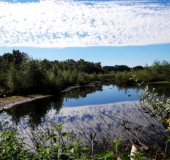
<point x="101" y="95"/>
<point x="91" y="108"/>
<point x="37" y="110"/>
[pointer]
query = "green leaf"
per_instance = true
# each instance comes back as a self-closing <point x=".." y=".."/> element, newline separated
<point x="72" y="150"/>
<point x="52" y="137"/>
<point x="67" y="134"/>
<point x="125" y="157"/>
<point x="47" y="150"/>
<point x="107" y="155"/>
<point x="59" y="152"/>
<point x="77" y="143"/>
<point x="85" y="148"/>
<point x="168" y="140"/>
<point x="56" y="147"/>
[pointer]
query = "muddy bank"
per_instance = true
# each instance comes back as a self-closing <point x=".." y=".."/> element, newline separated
<point x="73" y="87"/>
<point x="6" y="103"/>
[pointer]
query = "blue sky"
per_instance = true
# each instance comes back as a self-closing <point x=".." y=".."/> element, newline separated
<point x="128" y="55"/>
<point x="133" y="32"/>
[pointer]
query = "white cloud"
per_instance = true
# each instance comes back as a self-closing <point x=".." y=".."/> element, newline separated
<point x="70" y="24"/>
<point x="90" y="117"/>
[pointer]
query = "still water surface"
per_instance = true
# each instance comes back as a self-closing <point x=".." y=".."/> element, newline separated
<point x="85" y="96"/>
<point x="92" y="109"/>
<point x="102" y="95"/>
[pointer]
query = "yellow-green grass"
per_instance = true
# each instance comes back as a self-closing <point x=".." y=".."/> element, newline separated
<point x="18" y="97"/>
<point x="158" y="82"/>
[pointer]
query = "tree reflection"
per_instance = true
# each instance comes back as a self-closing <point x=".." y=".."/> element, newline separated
<point x="82" y="92"/>
<point x="36" y="110"/>
<point x="161" y="89"/>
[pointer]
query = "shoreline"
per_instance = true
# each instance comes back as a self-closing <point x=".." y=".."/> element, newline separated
<point x="73" y="87"/>
<point x="6" y="103"/>
<point x="9" y="103"/>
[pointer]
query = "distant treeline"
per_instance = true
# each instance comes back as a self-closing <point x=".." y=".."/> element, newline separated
<point x="122" y="68"/>
<point x="21" y="74"/>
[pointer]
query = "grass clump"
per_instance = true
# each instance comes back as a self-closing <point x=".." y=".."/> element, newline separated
<point x="51" y="145"/>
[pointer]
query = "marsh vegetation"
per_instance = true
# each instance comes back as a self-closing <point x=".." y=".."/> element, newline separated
<point x="149" y="126"/>
<point x="21" y="74"/>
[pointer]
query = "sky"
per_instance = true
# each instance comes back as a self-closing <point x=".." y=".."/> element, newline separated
<point x="129" y="32"/>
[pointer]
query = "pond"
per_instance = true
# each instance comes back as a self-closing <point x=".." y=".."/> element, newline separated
<point x="101" y="95"/>
<point x="101" y="109"/>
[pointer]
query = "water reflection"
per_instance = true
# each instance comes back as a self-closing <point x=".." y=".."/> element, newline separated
<point x="106" y="120"/>
<point x="95" y="111"/>
<point x="37" y="110"/>
<point x="161" y="89"/>
<point x="87" y="111"/>
<point x="104" y="94"/>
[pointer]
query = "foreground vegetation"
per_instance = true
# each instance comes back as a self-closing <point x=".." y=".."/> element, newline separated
<point x="20" y="74"/>
<point x="57" y="144"/>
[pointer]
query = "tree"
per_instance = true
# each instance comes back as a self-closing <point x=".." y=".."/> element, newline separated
<point x="136" y="68"/>
<point x="19" y="57"/>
